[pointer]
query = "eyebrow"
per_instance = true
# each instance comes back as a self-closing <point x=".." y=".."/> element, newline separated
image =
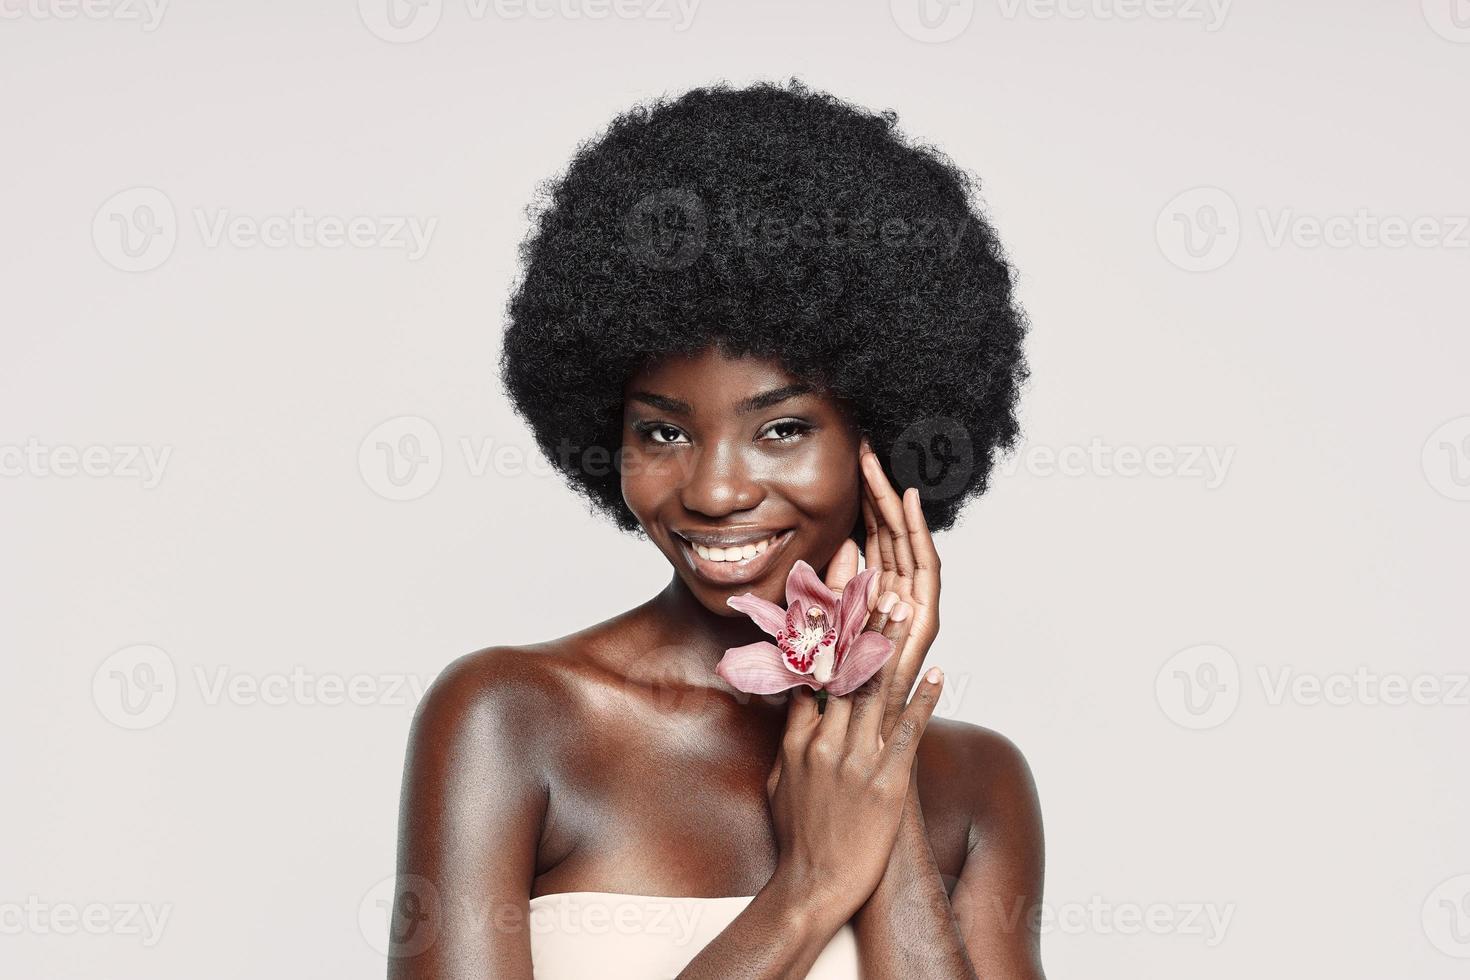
<point x="752" y="404"/>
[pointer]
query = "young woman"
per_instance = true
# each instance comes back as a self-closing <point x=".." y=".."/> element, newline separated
<point x="747" y="316"/>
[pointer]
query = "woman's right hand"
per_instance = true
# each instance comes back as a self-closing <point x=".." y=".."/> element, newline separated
<point x="837" y="787"/>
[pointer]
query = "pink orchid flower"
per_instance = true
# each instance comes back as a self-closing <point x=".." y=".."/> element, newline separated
<point x="820" y="640"/>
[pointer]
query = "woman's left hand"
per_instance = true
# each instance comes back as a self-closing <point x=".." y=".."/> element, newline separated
<point x="899" y="543"/>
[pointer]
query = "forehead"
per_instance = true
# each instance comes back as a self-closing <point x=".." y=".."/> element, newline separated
<point x="710" y="376"/>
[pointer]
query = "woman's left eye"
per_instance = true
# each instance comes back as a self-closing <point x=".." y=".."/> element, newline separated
<point x="785" y="430"/>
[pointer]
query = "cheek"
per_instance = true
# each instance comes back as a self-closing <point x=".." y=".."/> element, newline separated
<point x="823" y="484"/>
<point x="647" y="482"/>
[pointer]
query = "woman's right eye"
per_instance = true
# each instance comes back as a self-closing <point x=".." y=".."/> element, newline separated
<point x="661" y="433"/>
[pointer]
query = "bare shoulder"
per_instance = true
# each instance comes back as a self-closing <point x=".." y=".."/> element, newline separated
<point x="981" y="773"/>
<point x="478" y="688"/>
<point x="509" y="689"/>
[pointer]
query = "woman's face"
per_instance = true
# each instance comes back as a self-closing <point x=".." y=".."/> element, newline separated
<point x="736" y="469"/>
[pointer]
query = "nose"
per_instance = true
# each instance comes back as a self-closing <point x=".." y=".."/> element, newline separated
<point x="720" y="482"/>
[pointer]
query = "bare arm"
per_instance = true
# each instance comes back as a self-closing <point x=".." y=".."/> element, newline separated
<point x="911" y="926"/>
<point x="473" y="799"/>
<point x="999" y="892"/>
<point x="779" y="934"/>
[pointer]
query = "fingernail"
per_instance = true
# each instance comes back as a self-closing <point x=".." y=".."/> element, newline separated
<point x="934" y="675"/>
<point x="885" y="604"/>
<point x="902" y="612"/>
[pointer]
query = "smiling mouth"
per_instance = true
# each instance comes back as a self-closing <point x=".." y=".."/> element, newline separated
<point x="735" y="564"/>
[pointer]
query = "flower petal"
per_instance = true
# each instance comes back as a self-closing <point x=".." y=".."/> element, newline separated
<point x="758" y="668"/>
<point x="852" y="608"/>
<point x="867" y="654"/>
<point x="802" y="584"/>
<point x="767" y="615"/>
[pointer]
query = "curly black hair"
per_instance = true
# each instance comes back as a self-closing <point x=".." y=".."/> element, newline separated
<point x="781" y="222"/>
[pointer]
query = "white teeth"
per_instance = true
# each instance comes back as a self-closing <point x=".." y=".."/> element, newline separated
<point x="741" y="552"/>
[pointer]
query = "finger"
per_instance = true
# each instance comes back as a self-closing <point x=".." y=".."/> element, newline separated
<point x="890" y="511"/>
<point x="871" y="555"/>
<point x="833" y="726"/>
<point x="801" y="721"/>
<point x="903" y="667"/>
<point x="843" y="566"/>
<point x="925" y="600"/>
<point x="926" y="556"/>
<point x="882" y="535"/>
<point x="869" y="700"/>
<point x="903" y="744"/>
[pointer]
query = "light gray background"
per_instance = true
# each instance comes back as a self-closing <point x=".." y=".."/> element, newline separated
<point x="1130" y="633"/>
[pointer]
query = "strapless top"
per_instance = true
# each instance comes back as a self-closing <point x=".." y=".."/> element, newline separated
<point x="612" y="936"/>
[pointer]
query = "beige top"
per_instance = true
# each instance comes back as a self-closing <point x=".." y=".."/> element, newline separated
<point x="612" y="936"/>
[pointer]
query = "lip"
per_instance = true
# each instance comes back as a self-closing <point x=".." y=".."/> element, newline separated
<point x="733" y="572"/>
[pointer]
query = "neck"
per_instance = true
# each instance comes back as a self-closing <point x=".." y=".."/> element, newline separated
<point x="696" y="634"/>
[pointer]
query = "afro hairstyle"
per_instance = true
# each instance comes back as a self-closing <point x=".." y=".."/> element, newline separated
<point x="779" y="222"/>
